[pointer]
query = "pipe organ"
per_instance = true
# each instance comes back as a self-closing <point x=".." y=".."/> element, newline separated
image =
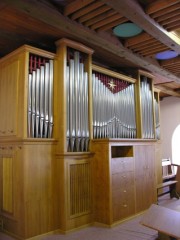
<point x="72" y="136"/>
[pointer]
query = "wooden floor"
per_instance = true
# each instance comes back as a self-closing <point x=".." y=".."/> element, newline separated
<point x="129" y="230"/>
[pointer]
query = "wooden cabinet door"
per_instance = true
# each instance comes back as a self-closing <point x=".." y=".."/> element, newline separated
<point x="145" y="176"/>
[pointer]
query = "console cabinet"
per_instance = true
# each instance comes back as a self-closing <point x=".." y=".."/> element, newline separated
<point x="124" y="180"/>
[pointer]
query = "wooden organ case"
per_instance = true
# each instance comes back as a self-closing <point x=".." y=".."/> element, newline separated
<point x="72" y="166"/>
<point x="26" y="143"/>
<point x="76" y="140"/>
<point x="124" y="172"/>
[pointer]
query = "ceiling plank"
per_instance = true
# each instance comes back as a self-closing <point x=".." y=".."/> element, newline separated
<point x="165" y="11"/>
<point x="94" y="13"/>
<point x="86" y="10"/>
<point x="134" y="12"/>
<point x="75" y="6"/>
<point x="170" y="62"/>
<point x="153" y="51"/>
<point x="170" y="20"/>
<point x="147" y="46"/>
<point x="99" y="18"/>
<point x="106" y="21"/>
<point x="112" y="24"/>
<point x="159" y="5"/>
<point x="139" y="39"/>
<point x="168" y="15"/>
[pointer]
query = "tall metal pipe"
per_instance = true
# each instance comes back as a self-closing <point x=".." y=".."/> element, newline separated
<point x="37" y="108"/>
<point x="29" y="104"/>
<point x="50" y="99"/>
<point x="33" y="101"/>
<point x="41" y="103"/>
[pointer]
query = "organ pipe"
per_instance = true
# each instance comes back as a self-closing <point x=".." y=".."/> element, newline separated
<point x="146" y="108"/>
<point x="40" y="97"/>
<point x="77" y="129"/>
<point x="157" y="120"/>
<point x="113" y="107"/>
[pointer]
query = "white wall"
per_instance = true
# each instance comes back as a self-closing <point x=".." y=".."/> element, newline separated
<point x="169" y="119"/>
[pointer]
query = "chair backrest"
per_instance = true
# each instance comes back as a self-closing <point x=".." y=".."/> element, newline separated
<point x="167" y="169"/>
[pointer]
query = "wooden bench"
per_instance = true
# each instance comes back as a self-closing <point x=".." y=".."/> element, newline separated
<point x="171" y="185"/>
<point x="164" y="220"/>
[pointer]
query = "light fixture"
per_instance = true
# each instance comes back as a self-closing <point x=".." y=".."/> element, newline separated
<point x="127" y="30"/>
<point x="166" y="55"/>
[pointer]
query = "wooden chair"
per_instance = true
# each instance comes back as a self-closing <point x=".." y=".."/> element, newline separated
<point x="169" y="180"/>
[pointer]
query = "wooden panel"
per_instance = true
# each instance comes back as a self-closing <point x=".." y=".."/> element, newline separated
<point x="101" y="183"/>
<point x="8" y="184"/>
<point x="9" y="75"/>
<point x="145" y="176"/>
<point x="79" y="188"/>
<point x="38" y="202"/>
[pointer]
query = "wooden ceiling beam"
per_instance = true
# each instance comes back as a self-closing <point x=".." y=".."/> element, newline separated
<point x="101" y="41"/>
<point x="167" y="90"/>
<point x="134" y="12"/>
<point x="159" y="5"/>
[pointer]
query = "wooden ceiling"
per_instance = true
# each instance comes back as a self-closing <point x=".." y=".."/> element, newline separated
<point x="41" y="23"/>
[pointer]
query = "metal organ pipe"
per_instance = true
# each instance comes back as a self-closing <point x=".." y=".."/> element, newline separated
<point x="41" y="104"/>
<point x="77" y="103"/>
<point x="157" y="121"/>
<point x="40" y="97"/>
<point x="147" y="108"/>
<point x="113" y="108"/>
<point x="50" y="93"/>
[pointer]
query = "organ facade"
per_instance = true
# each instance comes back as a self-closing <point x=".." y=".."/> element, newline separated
<point x="76" y="141"/>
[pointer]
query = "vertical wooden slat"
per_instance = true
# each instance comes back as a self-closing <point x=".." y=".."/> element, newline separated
<point x="79" y="188"/>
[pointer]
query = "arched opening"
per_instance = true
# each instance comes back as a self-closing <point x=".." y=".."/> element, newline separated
<point x="176" y="145"/>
